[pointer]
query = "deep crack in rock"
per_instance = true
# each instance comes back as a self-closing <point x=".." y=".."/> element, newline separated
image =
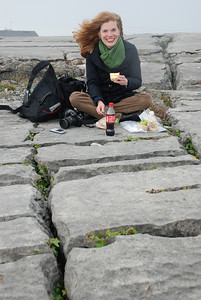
<point x="180" y="228"/>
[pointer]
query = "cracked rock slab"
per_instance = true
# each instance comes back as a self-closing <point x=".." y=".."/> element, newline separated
<point x="29" y="278"/>
<point x="136" y="267"/>
<point x="188" y="106"/>
<point x="87" y="171"/>
<point x="154" y="75"/>
<point x="21" y="237"/>
<point x="84" y="135"/>
<point x="188" y="75"/>
<point x="189" y="123"/>
<point x="157" y="197"/>
<point x="76" y="134"/>
<point x="14" y="130"/>
<point x="17" y="174"/>
<point x="14" y="155"/>
<point x="145" y="43"/>
<point x="16" y="201"/>
<point x="39" y="48"/>
<point x="65" y="155"/>
<point x="40" y="53"/>
<point x="185" y="42"/>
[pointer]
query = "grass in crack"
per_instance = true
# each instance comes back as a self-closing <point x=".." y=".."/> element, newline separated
<point x="31" y="136"/>
<point x="59" y="291"/>
<point x="176" y="132"/>
<point x="187" y="144"/>
<point x="131" y="139"/>
<point x="37" y="146"/>
<point x="190" y="148"/>
<point x="166" y="123"/>
<point x="101" y="240"/>
<point x="53" y="243"/>
<point x="44" y="182"/>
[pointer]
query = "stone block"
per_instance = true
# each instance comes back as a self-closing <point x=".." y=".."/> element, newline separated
<point x="30" y="278"/>
<point x="21" y="237"/>
<point x="16" y="201"/>
<point x="158" y="196"/>
<point x="67" y="155"/>
<point x="136" y="267"/>
<point x="16" y="173"/>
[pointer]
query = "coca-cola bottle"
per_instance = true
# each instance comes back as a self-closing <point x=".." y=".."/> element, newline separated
<point x="110" y="120"/>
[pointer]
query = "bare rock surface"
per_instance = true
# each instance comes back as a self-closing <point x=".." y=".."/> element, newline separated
<point x="136" y="267"/>
<point x="82" y="185"/>
<point x="26" y="238"/>
<point x="16" y="201"/>
<point x="16" y="174"/>
<point x="30" y="278"/>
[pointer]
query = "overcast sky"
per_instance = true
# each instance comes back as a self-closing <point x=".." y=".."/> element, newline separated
<point x="61" y="17"/>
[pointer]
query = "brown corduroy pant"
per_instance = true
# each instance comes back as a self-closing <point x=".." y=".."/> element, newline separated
<point x="83" y="102"/>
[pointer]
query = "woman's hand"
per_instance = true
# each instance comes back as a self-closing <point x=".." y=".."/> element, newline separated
<point x="100" y="108"/>
<point x="122" y="80"/>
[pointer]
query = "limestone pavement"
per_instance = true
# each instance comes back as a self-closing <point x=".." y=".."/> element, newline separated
<point x="145" y="180"/>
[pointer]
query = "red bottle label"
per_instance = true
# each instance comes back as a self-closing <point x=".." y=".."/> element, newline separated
<point x="110" y="118"/>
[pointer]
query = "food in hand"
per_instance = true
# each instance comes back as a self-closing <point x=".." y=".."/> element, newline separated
<point x="113" y="76"/>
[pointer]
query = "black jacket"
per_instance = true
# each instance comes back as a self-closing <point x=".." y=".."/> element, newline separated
<point x="98" y="75"/>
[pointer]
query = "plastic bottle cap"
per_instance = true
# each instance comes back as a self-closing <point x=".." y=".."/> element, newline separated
<point x="111" y="104"/>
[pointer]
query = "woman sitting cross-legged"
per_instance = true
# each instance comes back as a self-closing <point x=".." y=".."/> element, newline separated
<point x="113" y="70"/>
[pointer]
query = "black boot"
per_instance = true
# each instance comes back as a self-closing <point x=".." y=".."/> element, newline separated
<point x="134" y="116"/>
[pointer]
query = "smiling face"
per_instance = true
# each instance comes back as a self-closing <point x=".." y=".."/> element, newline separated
<point x="109" y="33"/>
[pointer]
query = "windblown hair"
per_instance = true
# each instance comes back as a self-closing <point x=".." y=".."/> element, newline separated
<point x="87" y="36"/>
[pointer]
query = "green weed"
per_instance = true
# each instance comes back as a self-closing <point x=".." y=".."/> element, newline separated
<point x="31" y="136"/>
<point x="166" y="123"/>
<point x="100" y="240"/>
<point x="44" y="182"/>
<point x="53" y="243"/>
<point x="37" y="252"/>
<point x="36" y="146"/>
<point x="59" y="292"/>
<point x="26" y="163"/>
<point x="129" y="139"/>
<point x="155" y="166"/>
<point x="175" y="132"/>
<point x="189" y="147"/>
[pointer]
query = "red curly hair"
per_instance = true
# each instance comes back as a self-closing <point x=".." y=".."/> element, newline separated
<point x="87" y="36"/>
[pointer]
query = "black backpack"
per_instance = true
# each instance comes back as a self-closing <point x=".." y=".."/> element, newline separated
<point x="49" y="98"/>
<point x="69" y="85"/>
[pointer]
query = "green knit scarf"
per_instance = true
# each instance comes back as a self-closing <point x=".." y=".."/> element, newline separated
<point x="112" y="57"/>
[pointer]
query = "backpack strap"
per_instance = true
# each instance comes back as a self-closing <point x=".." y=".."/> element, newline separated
<point x="7" y="107"/>
<point x="39" y="67"/>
